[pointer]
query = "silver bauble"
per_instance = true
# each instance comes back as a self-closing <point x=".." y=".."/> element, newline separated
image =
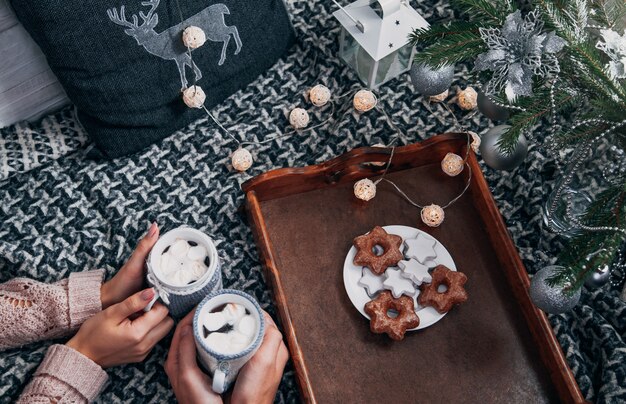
<point x="599" y="277"/>
<point x="497" y="159"/>
<point x="551" y="299"/>
<point x="429" y="81"/>
<point x="491" y="110"/>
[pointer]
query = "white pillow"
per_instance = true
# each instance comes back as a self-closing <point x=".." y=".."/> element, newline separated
<point x="28" y="88"/>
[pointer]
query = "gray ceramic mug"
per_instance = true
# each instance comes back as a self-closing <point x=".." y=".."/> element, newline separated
<point x="225" y="367"/>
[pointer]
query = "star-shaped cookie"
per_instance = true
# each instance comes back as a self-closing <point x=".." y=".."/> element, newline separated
<point x="371" y="282"/>
<point x="421" y="248"/>
<point x="380" y="322"/>
<point x="398" y="284"/>
<point x="443" y="301"/>
<point x="415" y="271"/>
<point x="365" y="255"/>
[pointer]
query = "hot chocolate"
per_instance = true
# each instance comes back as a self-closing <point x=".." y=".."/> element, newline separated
<point x="228" y="329"/>
<point x="183" y="262"/>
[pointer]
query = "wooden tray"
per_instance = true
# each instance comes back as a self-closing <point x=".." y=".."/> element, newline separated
<point x="497" y="347"/>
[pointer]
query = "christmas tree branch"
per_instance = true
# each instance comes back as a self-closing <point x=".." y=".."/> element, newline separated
<point x="492" y="12"/>
<point x="593" y="250"/>
<point x="535" y="107"/>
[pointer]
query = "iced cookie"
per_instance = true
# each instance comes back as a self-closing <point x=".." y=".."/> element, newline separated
<point x="421" y="248"/>
<point x="398" y="284"/>
<point x="377" y="263"/>
<point x="453" y="294"/>
<point x="380" y="321"/>
<point x="415" y="271"/>
<point x="371" y="282"/>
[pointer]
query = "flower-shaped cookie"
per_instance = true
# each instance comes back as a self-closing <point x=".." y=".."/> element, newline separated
<point x="454" y="294"/>
<point x="365" y="255"/>
<point x="395" y="327"/>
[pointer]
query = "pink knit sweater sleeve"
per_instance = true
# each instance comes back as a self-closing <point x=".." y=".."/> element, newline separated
<point x="32" y="311"/>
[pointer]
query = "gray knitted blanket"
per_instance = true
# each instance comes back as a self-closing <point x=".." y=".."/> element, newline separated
<point x="61" y="212"/>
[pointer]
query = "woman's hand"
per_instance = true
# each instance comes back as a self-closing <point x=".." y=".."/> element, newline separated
<point x="258" y="380"/>
<point x="129" y="279"/>
<point x="110" y="338"/>
<point x="190" y="384"/>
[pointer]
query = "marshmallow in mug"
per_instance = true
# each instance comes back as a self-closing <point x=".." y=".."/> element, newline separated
<point x="183" y="262"/>
<point x="229" y="330"/>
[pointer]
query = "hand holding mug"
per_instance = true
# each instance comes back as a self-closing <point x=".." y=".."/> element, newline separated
<point x="111" y="338"/>
<point x="189" y="382"/>
<point x="129" y="279"/>
<point x="258" y="380"/>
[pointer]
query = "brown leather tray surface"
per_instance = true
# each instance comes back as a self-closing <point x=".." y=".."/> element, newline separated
<point x="495" y="348"/>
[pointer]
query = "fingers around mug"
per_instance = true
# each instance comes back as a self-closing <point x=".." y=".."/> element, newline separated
<point x="132" y="304"/>
<point x="268" y="319"/>
<point x="187" y="351"/>
<point x="143" y="248"/>
<point x="282" y="357"/>
<point x="156" y="334"/>
<point x="150" y="319"/>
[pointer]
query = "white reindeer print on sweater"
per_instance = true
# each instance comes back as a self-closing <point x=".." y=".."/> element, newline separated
<point x="168" y="44"/>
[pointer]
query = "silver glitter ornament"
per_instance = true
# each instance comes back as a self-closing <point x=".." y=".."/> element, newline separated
<point x="518" y="51"/>
<point x="491" y="110"/>
<point x="497" y="159"/>
<point x="599" y="277"/>
<point x="429" y="81"/>
<point x="551" y="299"/>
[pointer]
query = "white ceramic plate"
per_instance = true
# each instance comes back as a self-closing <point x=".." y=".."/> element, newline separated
<point x="357" y="294"/>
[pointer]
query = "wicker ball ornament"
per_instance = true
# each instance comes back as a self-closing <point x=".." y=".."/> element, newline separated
<point x="299" y="118"/>
<point x="467" y="99"/>
<point x="241" y="159"/>
<point x="364" y="100"/>
<point x="439" y="97"/>
<point x="475" y="144"/>
<point x="452" y="164"/>
<point x="194" y="97"/>
<point x="193" y="37"/>
<point x="319" y="95"/>
<point x="365" y="189"/>
<point x="432" y="215"/>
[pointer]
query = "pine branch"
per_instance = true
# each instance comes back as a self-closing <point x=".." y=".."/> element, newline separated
<point x="452" y="48"/>
<point x="593" y="250"/>
<point x="536" y="107"/>
<point x="608" y="12"/>
<point x="493" y="13"/>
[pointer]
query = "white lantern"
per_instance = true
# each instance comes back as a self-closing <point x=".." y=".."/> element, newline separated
<point x="374" y="38"/>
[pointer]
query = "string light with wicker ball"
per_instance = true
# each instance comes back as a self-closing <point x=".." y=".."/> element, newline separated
<point x="452" y="164"/>
<point x="467" y="99"/>
<point x="299" y="118"/>
<point x="319" y="95"/>
<point x="241" y="159"/>
<point x="365" y="189"/>
<point x="432" y="215"/>
<point x="194" y="97"/>
<point x="364" y="100"/>
<point x="439" y="97"/>
<point x="475" y="145"/>
<point x="193" y="37"/>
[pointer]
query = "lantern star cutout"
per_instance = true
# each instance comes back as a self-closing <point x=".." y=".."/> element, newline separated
<point x="371" y="282"/>
<point x="415" y="271"/>
<point x="398" y="284"/>
<point x="421" y="248"/>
